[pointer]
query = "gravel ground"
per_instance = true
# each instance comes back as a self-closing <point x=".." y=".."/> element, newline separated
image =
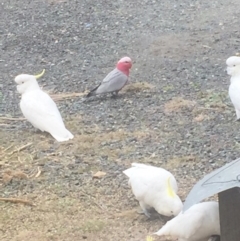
<point x="175" y="113"/>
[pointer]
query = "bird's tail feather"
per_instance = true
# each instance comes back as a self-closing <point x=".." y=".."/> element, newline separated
<point x="164" y="231"/>
<point x="92" y="92"/>
<point x="65" y="135"/>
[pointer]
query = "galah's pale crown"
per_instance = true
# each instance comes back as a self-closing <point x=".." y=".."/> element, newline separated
<point x="233" y="66"/>
<point x="125" y="59"/>
<point x="27" y="82"/>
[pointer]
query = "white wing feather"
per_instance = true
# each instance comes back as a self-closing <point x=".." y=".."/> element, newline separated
<point x="145" y="179"/>
<point x="148" y="176"/>
<point x="41" y="111"/>
<point x="234" y="93"/>
<point x="198" y="223"/>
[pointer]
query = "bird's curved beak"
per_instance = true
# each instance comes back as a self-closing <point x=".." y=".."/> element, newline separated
<point x="40" y="75"/>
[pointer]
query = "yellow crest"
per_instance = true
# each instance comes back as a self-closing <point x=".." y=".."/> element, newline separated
<point x="40" y="75"/>
<point x="170" y="191"/>
<point x="149" y="238"/>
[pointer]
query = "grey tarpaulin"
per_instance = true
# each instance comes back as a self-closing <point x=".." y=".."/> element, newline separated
<point x="217" y="181"/>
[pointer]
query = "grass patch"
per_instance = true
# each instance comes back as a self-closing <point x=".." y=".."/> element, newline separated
<point x="93" y="225"/>
<point x="64" y="96"/>
<point x="177" y="104"/>
<point x="200" y="117"/>
<point x="138" y="87"/>
<point x="214" y="100"/>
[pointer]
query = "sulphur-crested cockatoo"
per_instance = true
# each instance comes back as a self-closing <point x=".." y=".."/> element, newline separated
<point x="39" y="109"/>
<point x="198" y="223"/>
<point x="233" y="69"/>
<point x="154" y="187"/>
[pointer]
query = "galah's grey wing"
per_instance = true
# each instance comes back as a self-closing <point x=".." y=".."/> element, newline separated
<point x="114" y="81"/>
<point x="217" y="181"/>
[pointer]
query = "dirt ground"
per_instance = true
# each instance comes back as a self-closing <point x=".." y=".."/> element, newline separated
<point x="175" y="113"/>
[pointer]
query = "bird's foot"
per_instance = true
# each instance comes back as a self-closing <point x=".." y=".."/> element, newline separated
<point x="214" y="238"/>
<point x="145" y="212"/>
<point x="115" y="94"/>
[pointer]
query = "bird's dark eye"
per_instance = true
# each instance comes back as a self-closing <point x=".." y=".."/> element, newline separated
<point x="22" y="82"/>
<point x="126" y="62"/>
<point x="234" y="65"/>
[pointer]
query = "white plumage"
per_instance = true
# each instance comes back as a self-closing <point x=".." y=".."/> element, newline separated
<point x="154" y="187"/>
<point x="198" y="223"/>
<point x="233" y="69"/>
<point x="39" y="109"/>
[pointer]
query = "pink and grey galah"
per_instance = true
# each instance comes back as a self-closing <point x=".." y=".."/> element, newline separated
<point x="115" y="80"/>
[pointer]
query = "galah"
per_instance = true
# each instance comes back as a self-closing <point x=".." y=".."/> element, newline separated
<point x="115" y="80"/>
<point x="39" y="109"/>
<point x="233" y="69"/>
<point x="199" y="223"/>
<point x="154" y="187"/>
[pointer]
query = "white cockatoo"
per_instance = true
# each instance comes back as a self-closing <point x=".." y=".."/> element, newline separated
<point x="233" y="69"/>
<point x="154" y="187"/>
<point x="198" y="223"/>
<point x="39" y="109"/>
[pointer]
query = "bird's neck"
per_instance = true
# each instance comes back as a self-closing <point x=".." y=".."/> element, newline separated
<point x="123" y="69"/>
<point x="34" y="86"/>
<point x="235" y="78"/>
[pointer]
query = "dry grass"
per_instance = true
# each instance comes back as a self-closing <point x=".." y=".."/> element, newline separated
<point x="64" y="96"/>
<point x="3" y="118"/>
<point x="6" y="153"/>
<point x="86" y="213"/>
<point x="6" y="121"/>
<point x="177" y="104"/>
<point x="200" y="117"/>
<point x="214" y="100"/>
<point x="51" y="219"/>
<point x="138" y="87"/>
<point x="17" y="200"/>
<point x="100" y="143"/>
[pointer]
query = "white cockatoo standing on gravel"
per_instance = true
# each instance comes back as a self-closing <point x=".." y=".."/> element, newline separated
<point x="198" y="223"/>
<point x="233" y="69"/>
<point x="39" y="109"/>
<point x="154" y="187"/>
<point x="115" y="80"/>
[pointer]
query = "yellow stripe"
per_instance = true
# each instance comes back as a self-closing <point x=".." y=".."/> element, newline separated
<point x="170" y="191"/>
<point x="149" y="238"/>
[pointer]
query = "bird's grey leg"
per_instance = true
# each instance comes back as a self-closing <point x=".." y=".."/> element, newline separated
<point x="144" y="209"/>
<point x="114" y="94"/>
<point x="238" y="114"/>
<point x="214" y="238"/>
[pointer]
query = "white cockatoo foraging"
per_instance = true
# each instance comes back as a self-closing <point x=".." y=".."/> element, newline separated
<point x="39" y="109"/>
<point x="115" y="80"/>
<point x="154" y="187"/>
<point x="233" y="69"/>
<point x="198" y="223"/>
